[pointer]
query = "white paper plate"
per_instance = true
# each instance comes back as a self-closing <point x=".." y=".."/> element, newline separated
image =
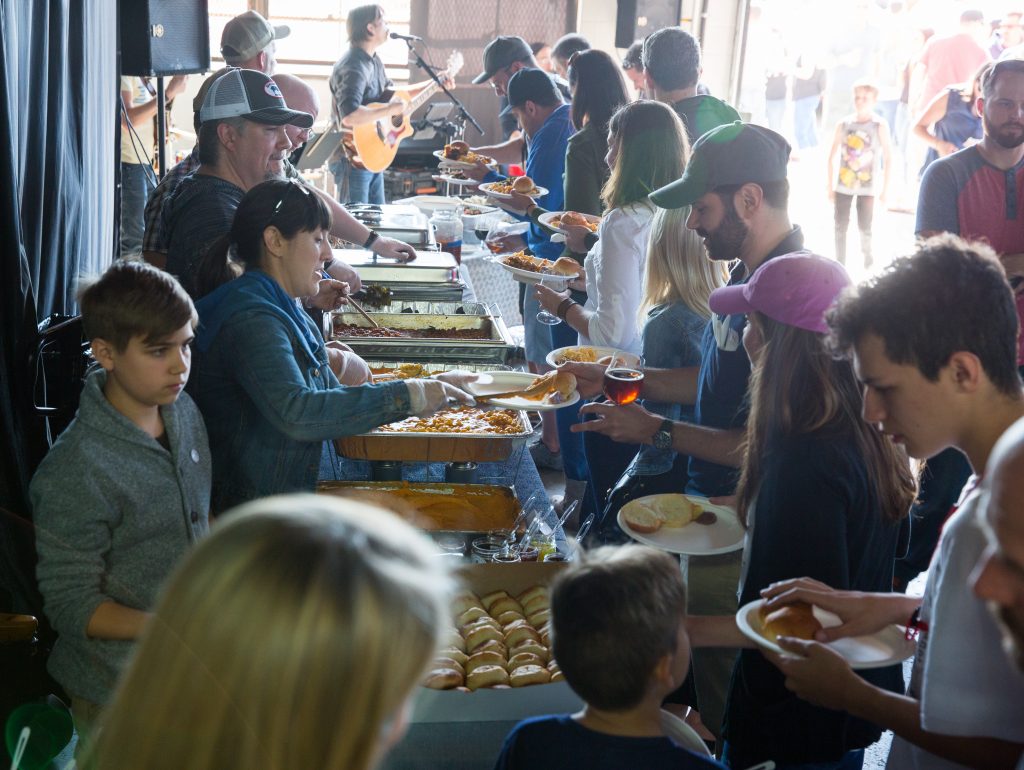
<point x="885" y="648"/>
<point x="541" y="192"/>
<point x="456" y="181"/>
<point x="546" y="219"/>
<point x="724" y="536"/>
<point x="499" y="382"/>
<point x="532" y="278"/>
<point x="439" y="154"/>
<point x="553" y="358"/>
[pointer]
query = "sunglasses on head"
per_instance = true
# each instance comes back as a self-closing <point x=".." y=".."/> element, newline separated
<point x="284" y="196"/>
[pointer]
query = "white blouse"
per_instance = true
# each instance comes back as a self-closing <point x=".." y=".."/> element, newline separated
<point x="615" y="270"/>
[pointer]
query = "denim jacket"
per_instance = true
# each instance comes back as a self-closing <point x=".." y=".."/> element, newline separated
<point x="269" y="401"/>
<point x="670" y="340"/>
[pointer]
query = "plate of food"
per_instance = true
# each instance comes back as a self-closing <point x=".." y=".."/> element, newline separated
<point x="682" y="524"/>
<point x="459" y="155"/>
<point x="579" y="354"/>
<point x="523" y="390"/>
<point x="884" y="648"/>
<point x="557" y="220"/>
<point x="532" y="270"/>
<point x="456" y="177"/>
<point x="502" y="190"/>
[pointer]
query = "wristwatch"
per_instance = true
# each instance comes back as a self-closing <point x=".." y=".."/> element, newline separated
<point x="663" y="438"/>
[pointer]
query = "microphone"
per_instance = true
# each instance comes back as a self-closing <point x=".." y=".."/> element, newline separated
<point x="410" y="38"/>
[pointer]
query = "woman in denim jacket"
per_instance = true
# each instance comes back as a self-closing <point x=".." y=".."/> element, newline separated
<point x="677" y="282"/>
<point x="261" y="373"/>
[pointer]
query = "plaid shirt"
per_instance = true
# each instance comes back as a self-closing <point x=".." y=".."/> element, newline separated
<point x="155" y="238"/>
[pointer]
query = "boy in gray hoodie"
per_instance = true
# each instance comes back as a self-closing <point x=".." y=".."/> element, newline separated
<point x="125" y="490"/>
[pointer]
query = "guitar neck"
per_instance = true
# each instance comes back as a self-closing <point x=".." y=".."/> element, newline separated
<point x="417" y="101"/>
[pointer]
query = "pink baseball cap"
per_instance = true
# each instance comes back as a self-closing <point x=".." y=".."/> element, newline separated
<point x="795" y="289"/>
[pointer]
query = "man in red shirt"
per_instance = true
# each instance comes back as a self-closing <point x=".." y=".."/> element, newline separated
<point x="953" y="58"/>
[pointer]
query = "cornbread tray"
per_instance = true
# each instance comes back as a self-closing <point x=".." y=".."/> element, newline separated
<point x="410" y="446"/>
<point x="467" y="509"/>
<point x="497" y="346"/>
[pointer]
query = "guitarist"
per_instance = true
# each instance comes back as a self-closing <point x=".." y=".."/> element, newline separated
<point x="359" y="79"/>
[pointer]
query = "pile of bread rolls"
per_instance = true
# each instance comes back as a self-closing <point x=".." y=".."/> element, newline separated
<point x="497" y="641"/>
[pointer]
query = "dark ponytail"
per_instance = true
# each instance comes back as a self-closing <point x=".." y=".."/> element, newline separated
<point x="292" y="207"/>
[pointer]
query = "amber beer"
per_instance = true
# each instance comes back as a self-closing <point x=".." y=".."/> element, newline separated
<point x="623" y="385"/>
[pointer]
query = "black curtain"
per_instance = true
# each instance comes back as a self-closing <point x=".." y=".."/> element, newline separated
<point x="58" y="82"/>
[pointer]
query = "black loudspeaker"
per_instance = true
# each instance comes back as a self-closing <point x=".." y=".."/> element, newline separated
<point x="636" y="19"/>
<point x="164" y="37"/>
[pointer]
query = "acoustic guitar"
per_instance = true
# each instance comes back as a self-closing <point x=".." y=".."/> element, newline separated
<point x="376" y="143"/>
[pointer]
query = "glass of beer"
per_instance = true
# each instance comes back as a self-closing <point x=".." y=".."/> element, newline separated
<point x="624" y="378"/>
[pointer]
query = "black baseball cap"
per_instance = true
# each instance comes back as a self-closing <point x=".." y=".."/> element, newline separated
<point x="503" y="51"/>
<point x="531" y="85"/>
<point x="251" y="95"/>
<point x="736" y="153"/>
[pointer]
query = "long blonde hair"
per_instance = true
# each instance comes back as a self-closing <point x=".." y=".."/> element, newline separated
<point x="677" y="266"/>
<point x="290" y="638"/>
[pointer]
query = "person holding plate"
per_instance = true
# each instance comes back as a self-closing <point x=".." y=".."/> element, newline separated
<point x="822" y="494"/>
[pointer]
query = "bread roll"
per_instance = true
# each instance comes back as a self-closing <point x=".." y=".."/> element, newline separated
<point x="487" y="676"/>
<point x="506" y="604"/>
<point x="519" y="634"/>
<point x="523" y="659"/>
<point x="523" y="184"/>
<point x="443" y="679"/>
<point x="536" y="603"/>
<point x="525" y="675"/>
<point x="454" y="665"/>
<point x="485" y="658"/>
<point x="641" y="519"/>
<point x="464" y="601"/>
<point x="509" y="616"/>
<point x="457" y="655"/>
<point x="467" y="617"/>
<point x="796" y="620"/>
<point x="486" y="620"/>
<point x="557" y="676"/>
<point x="539" y="618"/>
<point x="479" y="635"/>
<point x="530" y="645"/>
<point x="574" y="218"/>
<point x="491" y="598"/>
<point x="455" y="640"/>
<point x="531" y="593"/>
<point x="676" y="510"/>
<point x="455" y="150"/>
<point x="494" y="646"/>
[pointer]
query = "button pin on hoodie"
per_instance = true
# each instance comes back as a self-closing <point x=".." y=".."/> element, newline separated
<point x="194" y="454"/>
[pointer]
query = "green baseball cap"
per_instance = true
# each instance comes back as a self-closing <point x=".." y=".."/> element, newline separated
<point x="736" y="153"/>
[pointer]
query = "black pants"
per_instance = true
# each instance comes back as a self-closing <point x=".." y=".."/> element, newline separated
<point x="865" y="213"/>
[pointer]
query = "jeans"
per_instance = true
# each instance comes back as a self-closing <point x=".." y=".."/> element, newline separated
<point x="136" y="185"/>
<point x="805" y="126"/>
<point x="357" y="185"/>
<point x="775" y="110"/>
<point x="852" y="760"/>
<point x="865" y="214"/>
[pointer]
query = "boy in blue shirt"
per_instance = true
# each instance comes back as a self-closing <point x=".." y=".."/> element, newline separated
<point x="125" y="490"/>
<point x="619" y="634"/>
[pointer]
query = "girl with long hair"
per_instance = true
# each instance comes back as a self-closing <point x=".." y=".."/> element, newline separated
<point x="261" y="373"/>
<point x="290" y="638"/>
<point x="822" y="494"/>
<point x="647" y="149"/>
<point x="678" y="279"/>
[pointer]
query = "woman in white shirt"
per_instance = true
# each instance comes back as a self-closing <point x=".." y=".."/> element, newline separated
<point x="647" y="148"/>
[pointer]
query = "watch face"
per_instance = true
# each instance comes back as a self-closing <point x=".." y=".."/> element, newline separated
<point x="662" y="440"/>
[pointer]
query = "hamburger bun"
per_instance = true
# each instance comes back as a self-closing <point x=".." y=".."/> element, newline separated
<point x="523" y="184"/>
<point x="487" y="676"/>
<point x="532" y="593"/>
<point x="566" y="266"/>
<point x="443" y="679"/>
<point x="525" y="675"/>
<point x="641" y="519"/>
<point x="796" y="620"/>
<point x="574" y="218"/>
<point x="455" y="150"/>
<point x="676" y="510"/>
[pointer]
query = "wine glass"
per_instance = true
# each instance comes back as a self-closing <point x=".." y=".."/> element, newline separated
<point x="624" y="378"/>
<point x="555" y="284"/>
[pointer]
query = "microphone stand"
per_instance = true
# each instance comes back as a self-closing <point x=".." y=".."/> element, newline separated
<point x="463" y="112"/>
